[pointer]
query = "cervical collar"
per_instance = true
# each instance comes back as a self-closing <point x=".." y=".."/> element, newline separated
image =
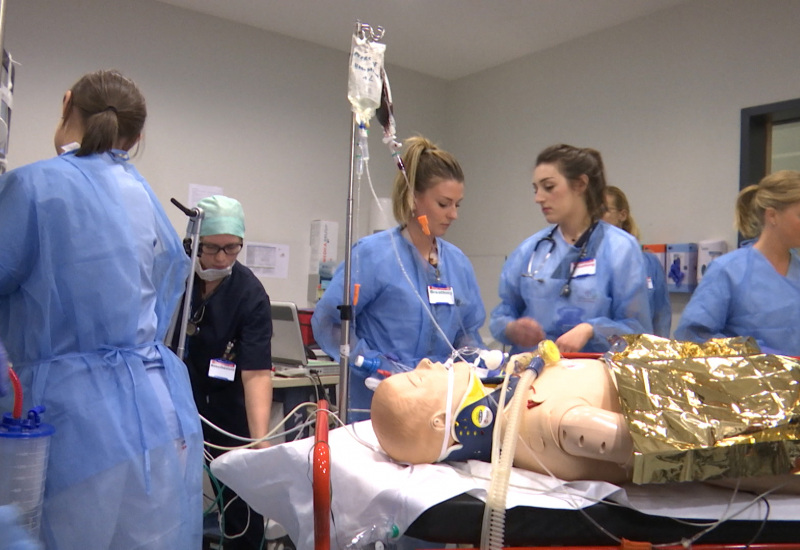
<point x="474" y="421"/>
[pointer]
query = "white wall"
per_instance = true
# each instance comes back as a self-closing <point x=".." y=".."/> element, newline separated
<point x="660" y="97"/>
<point x="264" y="116"/>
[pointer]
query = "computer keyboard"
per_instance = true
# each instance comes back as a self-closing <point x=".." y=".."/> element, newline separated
<point x="291" y="372"/>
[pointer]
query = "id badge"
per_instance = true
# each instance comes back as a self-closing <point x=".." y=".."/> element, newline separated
<point x="222" y="370"/>
<point x="584" y="268"/>
<point x="441" y="294"/>
<point x="650" y="283"/>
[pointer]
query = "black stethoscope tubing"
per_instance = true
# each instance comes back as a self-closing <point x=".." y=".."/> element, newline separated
<point x="583" y="242"/>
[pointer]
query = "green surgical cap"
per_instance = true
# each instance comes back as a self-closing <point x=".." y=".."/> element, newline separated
<point x="223" y="216"/>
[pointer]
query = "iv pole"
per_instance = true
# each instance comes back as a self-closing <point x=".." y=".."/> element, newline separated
<point x="346" y="309"/>
<point x="191" y="244"/>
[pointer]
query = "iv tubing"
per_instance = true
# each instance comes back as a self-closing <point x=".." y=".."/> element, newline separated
<point x="17" y="393"/>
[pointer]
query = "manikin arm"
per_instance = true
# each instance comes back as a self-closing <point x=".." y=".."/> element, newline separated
<point x="594" y="433"/>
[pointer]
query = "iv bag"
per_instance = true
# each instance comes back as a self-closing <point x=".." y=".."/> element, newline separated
<point x="385" y="115"/>
<point x="364" y="82"/>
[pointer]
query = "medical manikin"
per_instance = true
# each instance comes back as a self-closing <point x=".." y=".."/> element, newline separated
<point x="571" y="425"/>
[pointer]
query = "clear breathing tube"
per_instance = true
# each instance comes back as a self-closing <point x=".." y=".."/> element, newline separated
<point x="494" y="513"/>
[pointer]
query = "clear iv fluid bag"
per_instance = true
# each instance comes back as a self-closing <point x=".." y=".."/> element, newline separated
<point x="365" y="81"/>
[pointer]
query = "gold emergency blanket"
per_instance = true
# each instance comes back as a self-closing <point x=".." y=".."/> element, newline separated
<point x="708" y="411"/>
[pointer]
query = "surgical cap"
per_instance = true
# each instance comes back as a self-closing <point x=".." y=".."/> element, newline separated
<point x="223" y="216"/>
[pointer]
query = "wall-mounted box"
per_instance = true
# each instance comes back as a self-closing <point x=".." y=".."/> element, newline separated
<point x="706" y="252"/>
<point x="660" y="251"/>
<point x="681" y="267"/>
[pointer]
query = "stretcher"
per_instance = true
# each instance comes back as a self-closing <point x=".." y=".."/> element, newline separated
<point x="441" y="502"/>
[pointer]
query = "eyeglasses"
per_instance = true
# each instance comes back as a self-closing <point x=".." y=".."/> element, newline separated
<point x="212" y="249"/>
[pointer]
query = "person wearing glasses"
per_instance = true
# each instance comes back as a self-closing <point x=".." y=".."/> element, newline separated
<point x="580" y="281"/>
<point x="228" y="350"/>
<point x="91" y="271"/>
<point x="618" y="213"/>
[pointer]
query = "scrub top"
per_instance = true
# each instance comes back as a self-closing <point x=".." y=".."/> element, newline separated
<point x="608" y="288"/>
<point x="392" y="314"/>
<point x="88" y="286"/>
<point x="236" y="313"/>
<point x="741" y="294"/>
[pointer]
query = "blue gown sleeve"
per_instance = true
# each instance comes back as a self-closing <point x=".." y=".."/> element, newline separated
<point x="630" y="306"/>
<point x="512" y="304"/>
<point x="706" y="314"/>
<point x="326" y="322"/>
<point x="660" y="305"/>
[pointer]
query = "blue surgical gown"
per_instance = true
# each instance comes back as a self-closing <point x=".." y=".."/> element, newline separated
<point x="391" y="316"/>
<point x="611" y="296"/>
<point x="741" y="294"/>
<point x="91" y="272"/>
<point x="660" y="305"/>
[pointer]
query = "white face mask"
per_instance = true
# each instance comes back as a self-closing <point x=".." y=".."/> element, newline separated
<point x="211" y="274"/>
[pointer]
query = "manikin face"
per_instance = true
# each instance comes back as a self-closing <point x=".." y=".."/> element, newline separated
<point x="614" y="215"/>
<point x="440" y="204"/>
<point x="558" y="200"/>
<point x="408" y="410"/>
<point x="220" y="260"/>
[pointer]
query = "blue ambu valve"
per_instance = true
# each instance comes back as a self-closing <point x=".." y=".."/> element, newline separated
<point x="370" y="364"/>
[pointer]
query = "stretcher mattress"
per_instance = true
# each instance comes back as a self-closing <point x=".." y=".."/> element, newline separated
<point x="442" y="502"/>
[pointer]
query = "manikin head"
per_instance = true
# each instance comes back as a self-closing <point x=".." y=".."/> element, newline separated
<point x="409" y="410"/>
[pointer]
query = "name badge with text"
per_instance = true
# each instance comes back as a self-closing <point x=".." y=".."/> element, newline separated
<point x="585" y="268"/>
<point x="441" y="294"/>
<point x="222" y="370"/>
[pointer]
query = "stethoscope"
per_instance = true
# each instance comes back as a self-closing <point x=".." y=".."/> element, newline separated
<point x="583" y="242"/>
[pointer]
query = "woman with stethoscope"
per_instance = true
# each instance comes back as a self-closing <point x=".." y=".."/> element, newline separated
<point x="580" y="281"/>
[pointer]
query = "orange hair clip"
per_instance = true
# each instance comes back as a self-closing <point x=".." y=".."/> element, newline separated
<point x="423" y="221"/>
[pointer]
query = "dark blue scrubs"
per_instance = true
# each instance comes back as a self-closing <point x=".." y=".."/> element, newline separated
<point x="237" y="312"/>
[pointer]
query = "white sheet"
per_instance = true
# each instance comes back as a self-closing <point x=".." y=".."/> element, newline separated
<point x="367" y="488"/>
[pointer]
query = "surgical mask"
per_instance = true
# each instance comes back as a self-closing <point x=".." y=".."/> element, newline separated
<point x="211" y="274"/>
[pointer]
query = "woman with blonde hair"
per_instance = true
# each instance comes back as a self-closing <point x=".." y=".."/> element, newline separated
<point x="755" y="290"/>
<point x="418" y="295"/>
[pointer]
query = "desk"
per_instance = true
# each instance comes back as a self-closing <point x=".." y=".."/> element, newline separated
<point x="279" y="382"/>
<point x="294" y="390"/>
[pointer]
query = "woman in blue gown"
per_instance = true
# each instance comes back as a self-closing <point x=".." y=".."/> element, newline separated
<point x="580" y="281"/>
<point x="88" y="285"/>
<point x="755" y="290"/>
<point x="418" y="295"/>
